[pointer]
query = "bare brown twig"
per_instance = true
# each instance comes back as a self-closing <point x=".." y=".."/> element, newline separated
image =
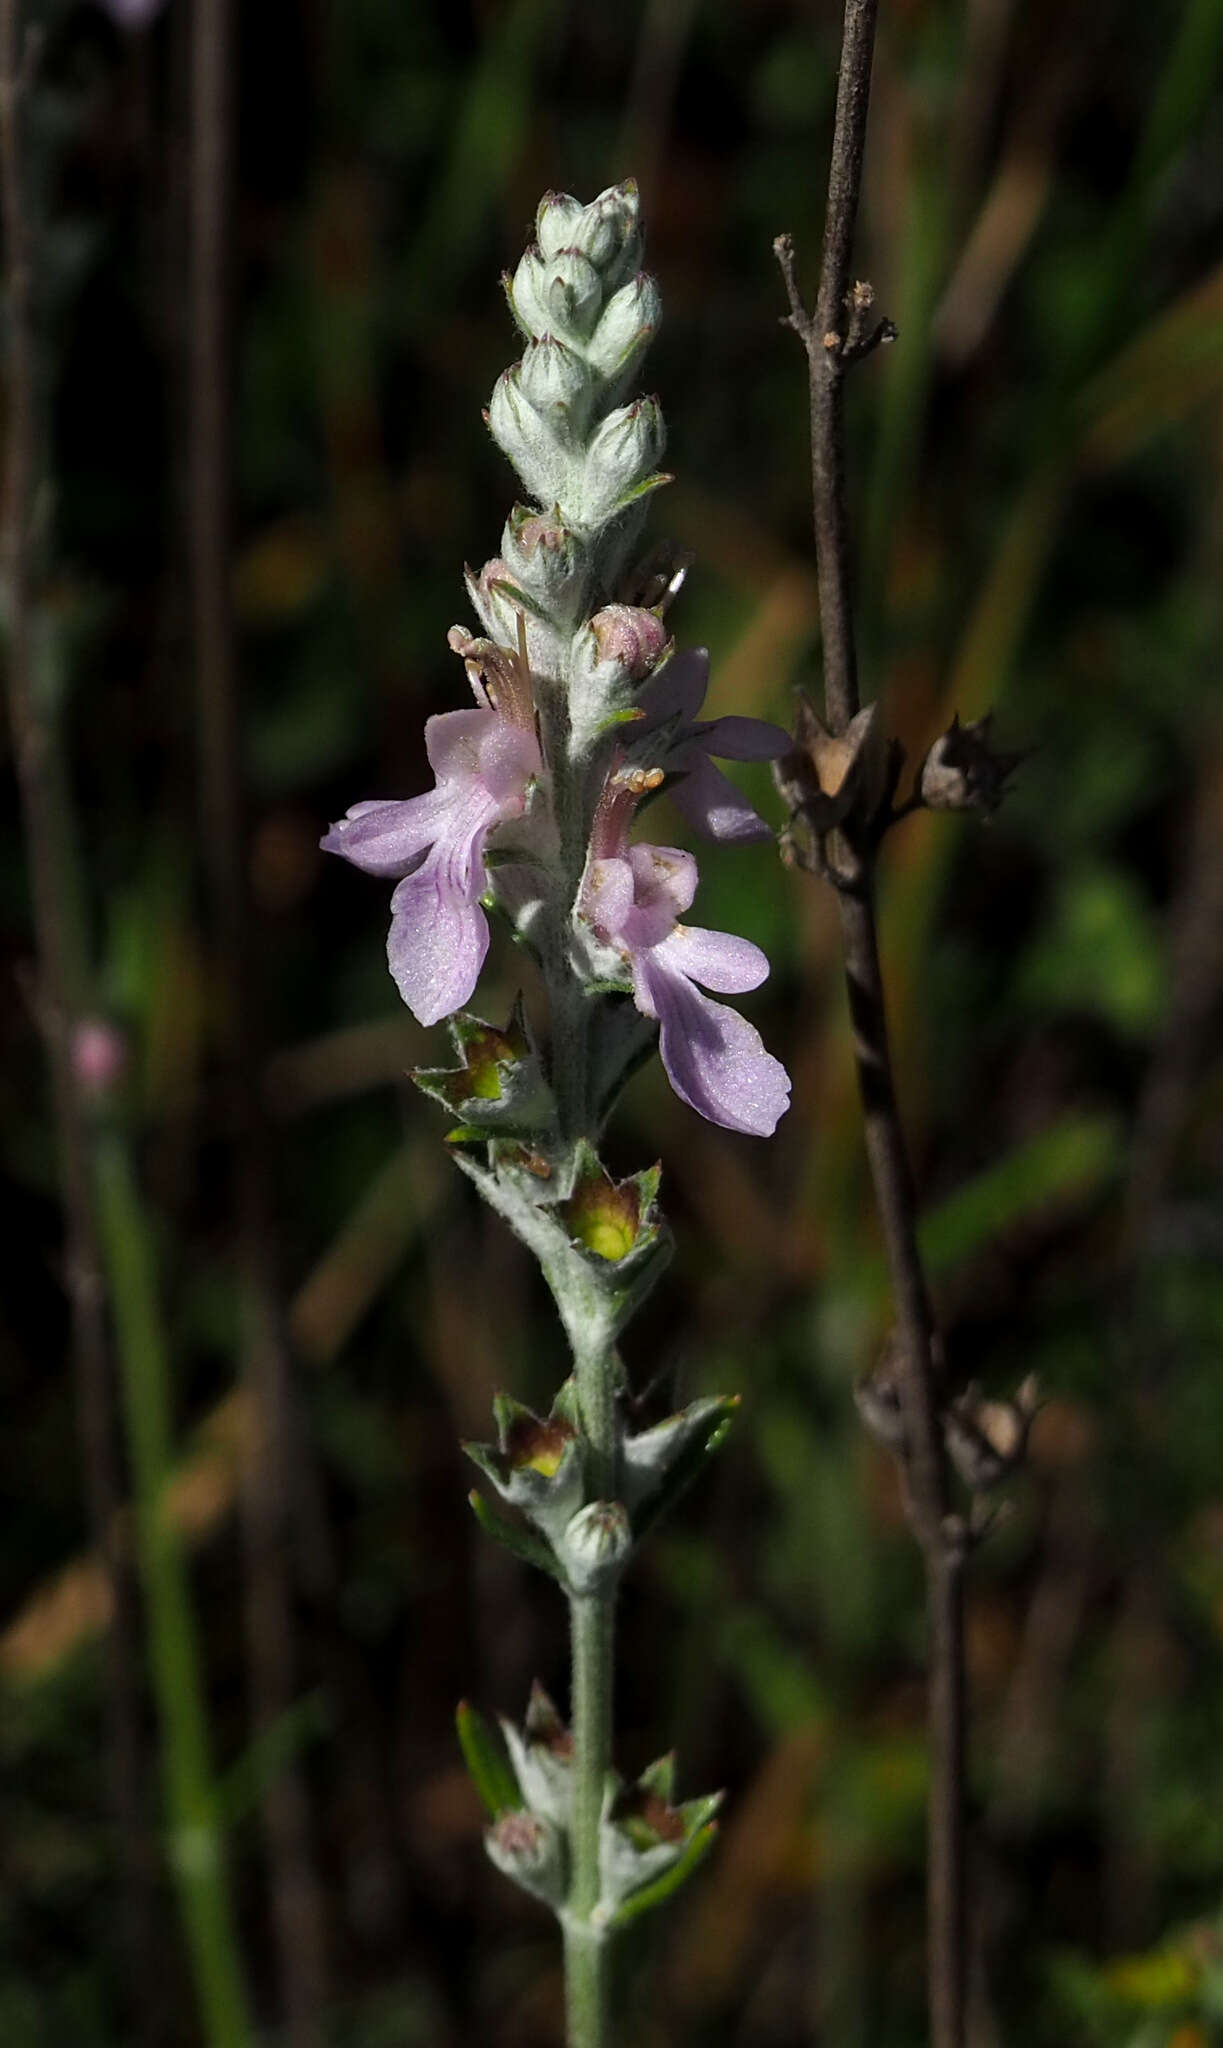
<point x="59" y="999"/>
<point x="834" y="336"/>
<point x="296" y="1895"/>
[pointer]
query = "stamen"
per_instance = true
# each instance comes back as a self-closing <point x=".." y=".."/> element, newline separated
<point x="622" y="792"/>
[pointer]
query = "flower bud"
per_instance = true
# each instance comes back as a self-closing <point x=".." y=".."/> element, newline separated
<point x="596" y="1545"/>
<point x="630" y="637"/>
<point x="556" y="220"/>
<point x="572" y="295"/>
<point x="492" y="604"/>
<point x="608" y="232"/>
<point x="559" y="295"/>
<point x="525" y="291"/>
<point x="531" y="443"/>
<point x="502" y="602"/>
<point x="614" y="650"/>
<point x="556" y="383"/>
<point x="531" y="1850"/>
<point x="623" y="451"/>
<point x="627" y="324"/>
<point x="546" y="560"/>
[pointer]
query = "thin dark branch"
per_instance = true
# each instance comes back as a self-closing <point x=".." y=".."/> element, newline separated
<point x="59" y="998"/>
<point x="833" y="337"/>
<point x="268" y="1489"/>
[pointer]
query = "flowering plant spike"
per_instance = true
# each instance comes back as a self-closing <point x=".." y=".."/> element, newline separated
<point x="583" y="711"/>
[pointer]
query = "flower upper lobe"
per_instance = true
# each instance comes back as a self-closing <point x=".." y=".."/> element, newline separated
<point x="433" y="845"/>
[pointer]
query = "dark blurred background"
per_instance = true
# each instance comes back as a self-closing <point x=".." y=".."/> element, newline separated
<point x="1038" y="500"/>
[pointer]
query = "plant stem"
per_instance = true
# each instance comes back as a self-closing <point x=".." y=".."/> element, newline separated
<point x="831" y="346"/>
<point x="196" y="1847"/>
<point x="587" y="1946"/>
<point x="61" y="985"/>
<point x="592" y="1636"/>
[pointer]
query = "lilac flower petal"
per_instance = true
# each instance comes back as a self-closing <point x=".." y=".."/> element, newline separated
<point x="384" y="838"/>
<point x="509" y="757"/>
<point x="439" y="934"/>
<point x="607" y="896"/>
<point x="745" y="739"/>
<point x="718" y="960"/>
<point x="664" y="884"/>
<point x="452" y="742"/>
<point x="715" y="1060"/>
<point x="678" y="688"/>
<point x="711" y="803"/>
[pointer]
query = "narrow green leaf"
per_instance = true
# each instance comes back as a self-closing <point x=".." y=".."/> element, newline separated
<point x="687" y="1467"/>
<point x="529" y="1549"/>
<point x="487" y="1763"/>
<point x="641" y="490"/>
<point x="652" y="1895"/>
<point x="263" y="1759"/>
<point x="514" y="595"/>
<point x="1072" y="1159"/>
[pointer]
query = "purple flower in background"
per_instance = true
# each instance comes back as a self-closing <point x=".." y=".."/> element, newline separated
<point x="484" y="762"/>
<point x="708" y="800"/>
<point x="132" y="13"/>
<point x="715" y="1060"/>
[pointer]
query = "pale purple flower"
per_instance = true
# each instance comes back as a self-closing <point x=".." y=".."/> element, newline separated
<point x="99" y="1056"/>
<point x="132" y="13"/>
<point x="707" y="798"/>
<point x="485" y="762"/>
<point x="715" y="1060"/>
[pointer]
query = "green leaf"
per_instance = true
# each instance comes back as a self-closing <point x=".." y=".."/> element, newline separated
<point x="529" y="1549"/>
<point x="1071" y="1159"/>
<point x="652" y="1895"/>
<point x="641" y="490"/>
<point x="686" y="1468"/>
<point x="263" y="1759"/>
<point x="487" y="1763"/>
<point x="513" y="595"/>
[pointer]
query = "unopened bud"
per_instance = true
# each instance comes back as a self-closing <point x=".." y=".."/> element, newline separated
<point x="559" y="295"/>
<point x="609" y="655"/>
<point x="572" y="295"/>
<point x="556" y="382"/>
<point x="596" y="1545"/>
<point x="626" y="325"/>
<point x="607" y="230"/>
<point x="556" y="222"/>
<point x="623" y="451"/>
<point x="531" y="1850"/>
<point x="546" y="560"/>
<point x="531" y="443"/>
<point x="962" y="772"/>
<point x="630" y="637"/>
